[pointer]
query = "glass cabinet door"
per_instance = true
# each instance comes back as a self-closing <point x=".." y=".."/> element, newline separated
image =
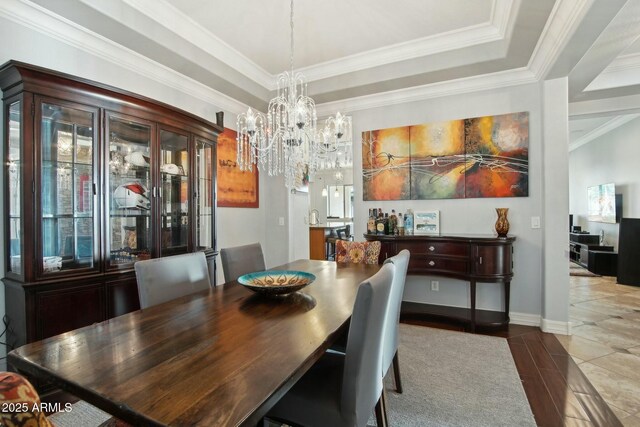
<point x="68" y="147"/>
<point x="204" y="197"/>
<point x="14" y="161"/>
<point x="129" y="195"/>
<point x="174" y="193"/>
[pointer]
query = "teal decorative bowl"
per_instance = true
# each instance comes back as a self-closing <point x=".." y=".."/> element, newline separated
<point x="276" y="282"/>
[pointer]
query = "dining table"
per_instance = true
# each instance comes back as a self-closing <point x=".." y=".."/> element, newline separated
<point x="222" y="356"/>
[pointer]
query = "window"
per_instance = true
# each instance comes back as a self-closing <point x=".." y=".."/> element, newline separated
<point x="340" y="201"/>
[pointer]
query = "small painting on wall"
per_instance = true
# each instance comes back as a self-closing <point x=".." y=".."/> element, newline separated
<point x="236" y="188"/>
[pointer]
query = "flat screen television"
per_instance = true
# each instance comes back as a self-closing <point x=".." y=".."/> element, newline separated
<point x="602" y="206"/>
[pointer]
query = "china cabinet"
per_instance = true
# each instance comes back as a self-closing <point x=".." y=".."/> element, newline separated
<point x="95" y="178"/>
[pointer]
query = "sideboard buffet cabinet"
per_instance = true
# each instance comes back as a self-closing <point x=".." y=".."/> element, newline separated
<point x="95" y="179"/>
<point x="473" y="258"/>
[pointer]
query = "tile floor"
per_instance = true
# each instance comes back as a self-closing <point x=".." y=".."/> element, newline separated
<point x="605" y="344"/>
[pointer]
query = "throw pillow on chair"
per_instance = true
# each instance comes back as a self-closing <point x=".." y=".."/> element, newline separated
<point x="357" y="252"/>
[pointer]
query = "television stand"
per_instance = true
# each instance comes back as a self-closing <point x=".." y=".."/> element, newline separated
<point x="579" y="246"/>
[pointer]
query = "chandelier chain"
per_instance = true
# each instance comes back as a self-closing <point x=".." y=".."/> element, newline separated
<point x="291" y="25"/>
<point x="285" y="140"/>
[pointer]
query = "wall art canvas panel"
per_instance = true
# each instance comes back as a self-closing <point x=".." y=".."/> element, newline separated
<point x="386" y="163"/>
<point x="497" y="156"/>
<point x="477" y="157"/>
<point x="236" y="188"/>
<point x="437" y="160"/>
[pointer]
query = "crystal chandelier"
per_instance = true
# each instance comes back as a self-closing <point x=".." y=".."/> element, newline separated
<point x="333" y="144"/>
<point x="285" y="141"/>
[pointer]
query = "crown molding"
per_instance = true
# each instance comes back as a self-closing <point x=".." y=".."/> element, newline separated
<point x="623" y="71"/>
<point x="564" y="20"/>
<point x="37" y="18"/>
<point x="452" y="40"/>
<point x="501" y="79"/>
<point x="174" y="20"/>
<point x="603" y="129"/>
<point x="608" y="106"/>
<point x="624" y="63"/>
<point x="502" y="19"/>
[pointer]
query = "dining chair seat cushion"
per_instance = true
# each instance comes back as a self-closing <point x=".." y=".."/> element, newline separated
<point x="357" y="252"/>
<point x="316" y="396"/>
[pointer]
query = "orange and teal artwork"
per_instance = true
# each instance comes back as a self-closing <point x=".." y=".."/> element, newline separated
<point x="477" y="157"/>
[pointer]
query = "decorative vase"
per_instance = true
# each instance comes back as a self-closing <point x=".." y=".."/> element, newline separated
<point x="502" y="224"/>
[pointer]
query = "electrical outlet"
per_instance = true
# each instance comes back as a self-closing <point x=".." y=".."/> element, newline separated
<point x="281" y="220"/>
<point x="435" y="285"/>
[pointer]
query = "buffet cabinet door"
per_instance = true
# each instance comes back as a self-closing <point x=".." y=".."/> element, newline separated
<point x="492" y="260"/>
<point x="61" y="310"/>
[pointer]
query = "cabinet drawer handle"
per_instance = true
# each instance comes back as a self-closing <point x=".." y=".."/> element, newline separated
<point x="432" y="263"/>
<point x="431" y="248"/>
<point x="480" y="260"/>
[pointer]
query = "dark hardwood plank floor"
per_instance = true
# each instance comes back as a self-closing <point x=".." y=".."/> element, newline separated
<point x="558" y="392"/>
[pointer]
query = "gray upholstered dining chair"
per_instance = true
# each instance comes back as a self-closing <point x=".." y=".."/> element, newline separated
<point x="390" y="341"/>
<point x="163" y="279"/>
<point x="241" y="260"/>
<point x="343" y="389"/>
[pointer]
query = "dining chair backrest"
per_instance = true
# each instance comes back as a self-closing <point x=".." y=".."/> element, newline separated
<point x="358" y="252"/>
<point x="390" y="346"/>
<point x="362" y="377"/>
<point x="163" y="279"/>
<point x="241" y="260"/>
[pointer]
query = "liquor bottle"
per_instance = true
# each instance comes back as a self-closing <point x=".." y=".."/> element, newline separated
<point x="408" y="222"/>
<point x="393" y="223"/>
<point x="380" y="223"/>
<point x="386" y="223"/>
<point x="400" y="225"/>
<point x="371" y="224"/>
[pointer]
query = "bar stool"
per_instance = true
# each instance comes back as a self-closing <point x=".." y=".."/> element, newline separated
<point x="343" y="233"/>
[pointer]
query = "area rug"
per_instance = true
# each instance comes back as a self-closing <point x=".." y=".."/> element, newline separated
<point x="455" y="379"/>
<point x="577" y="270"/>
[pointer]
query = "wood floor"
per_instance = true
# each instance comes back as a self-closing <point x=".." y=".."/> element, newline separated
<point x="558" y="392"/>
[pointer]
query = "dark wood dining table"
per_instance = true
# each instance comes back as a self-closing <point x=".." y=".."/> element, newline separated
<point x="215" y="358"/>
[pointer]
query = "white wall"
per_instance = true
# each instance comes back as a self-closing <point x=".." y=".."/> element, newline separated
<point x="476" y="216"/>
<point x="612" y="157"/>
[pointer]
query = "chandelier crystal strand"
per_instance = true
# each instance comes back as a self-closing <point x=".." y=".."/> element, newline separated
<point x="285" y="140"/>
<point x="334" y="146"/>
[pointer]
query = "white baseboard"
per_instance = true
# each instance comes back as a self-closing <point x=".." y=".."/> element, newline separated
<point x="550" y="326"/>
<point x="556" y="327"/>
<point x="525" y="319"/>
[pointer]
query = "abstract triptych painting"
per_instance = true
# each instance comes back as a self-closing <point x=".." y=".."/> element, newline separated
<point x="477" y="157"/>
